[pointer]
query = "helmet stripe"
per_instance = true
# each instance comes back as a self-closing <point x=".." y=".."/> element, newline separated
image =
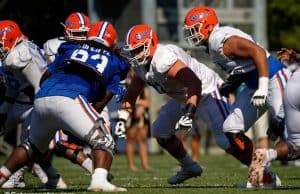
<point x="81" y="19"/>
<point x="128" y="35"/>
<point x="102" y="30"/>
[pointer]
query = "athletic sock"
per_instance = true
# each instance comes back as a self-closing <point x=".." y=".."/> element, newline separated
<point x="87" y="164"/>
<point x="271" y="155"/>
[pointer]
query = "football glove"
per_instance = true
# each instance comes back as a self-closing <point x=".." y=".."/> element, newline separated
<point x="229" y="86"/>
<point x="185" y="122"/>
<point x="120" y="127"/>
<point x="259" y="97"/>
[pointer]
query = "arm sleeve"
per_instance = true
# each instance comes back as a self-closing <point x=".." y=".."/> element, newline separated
<point x="33" y="74"/>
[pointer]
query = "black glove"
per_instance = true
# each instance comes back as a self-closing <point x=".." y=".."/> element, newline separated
<point x="185" y="122"/>
<point x="276" y="128"/>
<point x="229" y="86"/>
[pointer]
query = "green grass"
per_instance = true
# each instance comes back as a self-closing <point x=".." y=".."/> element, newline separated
<point x="221" y="172"/>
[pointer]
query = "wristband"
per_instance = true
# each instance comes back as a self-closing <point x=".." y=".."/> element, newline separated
<point x="263" y="83"/>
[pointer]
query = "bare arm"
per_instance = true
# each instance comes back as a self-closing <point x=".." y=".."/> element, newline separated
<point x="238" y="47"/>
<point x="99" y="105"/>
<point x="133" y="91"/>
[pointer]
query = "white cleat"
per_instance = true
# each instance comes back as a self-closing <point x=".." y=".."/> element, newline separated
<point x="57" y="183"/>
<point x="97" y="186"/>
<point x="14" y="181"/>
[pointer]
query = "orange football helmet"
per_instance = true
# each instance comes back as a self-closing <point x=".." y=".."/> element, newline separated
<point x="199" y="22"/>
<point x="104" y="33"/>
<point x="10" y="35"/>
<point x="141" y="42"/>
<point x="76" y="26"/>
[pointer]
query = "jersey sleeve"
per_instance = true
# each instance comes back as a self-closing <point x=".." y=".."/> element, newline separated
<point x="51" y="46"/>
<point x="164" y="59"/>
<point x="113" y="85"/>
<point x="19" y="58"/>
<point x="217" y="41"/>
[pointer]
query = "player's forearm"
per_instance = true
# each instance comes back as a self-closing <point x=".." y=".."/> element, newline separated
<point x="260" y="60"/>
<point x="133" y="91"/>
<point x="192" y="83"/>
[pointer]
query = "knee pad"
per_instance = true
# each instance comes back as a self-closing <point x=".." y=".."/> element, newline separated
<point x="31" y="150"/>
<point x="100" y="138"/>
<point x="241" y="147"/>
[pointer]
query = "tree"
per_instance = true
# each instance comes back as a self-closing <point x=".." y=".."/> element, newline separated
<point x="284" y="24"/>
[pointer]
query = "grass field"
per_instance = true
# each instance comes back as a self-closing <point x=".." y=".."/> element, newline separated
<point x="221" y="172"/>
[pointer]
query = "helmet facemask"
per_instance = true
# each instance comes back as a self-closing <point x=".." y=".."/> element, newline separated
<point x="4" y="50"/>
<point x="75" y="34"/>
<point x="139" y="54"/>
<point x="193" y="35"/>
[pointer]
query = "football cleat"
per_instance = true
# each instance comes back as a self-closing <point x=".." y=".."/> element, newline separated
<point x="14" y="181"/>
<point x="185" y="173"/>
<point x="97" y="186"/>
<point x="264" y="178"/>
<point x="244" y="185"/>
<point x="55" y="183"/>
<point x="257" y="166"/>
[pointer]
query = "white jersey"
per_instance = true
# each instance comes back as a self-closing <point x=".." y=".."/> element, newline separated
<point x="51" y="46"/>
<point x="163" y="59"/>
<point x="23" y="67"/>
<point x="215" y="45"/>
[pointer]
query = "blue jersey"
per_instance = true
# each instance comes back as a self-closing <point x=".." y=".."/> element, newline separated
<point x="86" y="71"/>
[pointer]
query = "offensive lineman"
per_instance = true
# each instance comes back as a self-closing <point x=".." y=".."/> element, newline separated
<point x="191" y="85"/>
<point x="80" y="76"/>
<point x="23" y="65"/>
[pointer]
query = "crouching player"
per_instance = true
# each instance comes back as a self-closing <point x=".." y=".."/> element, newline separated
<point x="79" y="77"/>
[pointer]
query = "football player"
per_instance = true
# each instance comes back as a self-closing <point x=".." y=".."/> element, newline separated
<point x="288" y="148"/>
<point x="193" y="89"/>
<point x="76" y="27"/>
<point x="80" y="76"/>
<point x="23" y="65"/>
<point x="245" y="61"/>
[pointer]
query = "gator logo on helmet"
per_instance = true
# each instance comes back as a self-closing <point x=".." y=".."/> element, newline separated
<point x="6" y="29"/>
<point x="142" y="34"/>
<point x="70" y="23"/>
<point x="199" y="16"/>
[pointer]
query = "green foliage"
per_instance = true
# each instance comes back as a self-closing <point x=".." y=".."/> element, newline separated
<point x="284" y="24"/>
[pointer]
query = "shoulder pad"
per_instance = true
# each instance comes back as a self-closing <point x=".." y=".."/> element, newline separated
<point x="19" y="57"/>
<point x="51" y="46"/>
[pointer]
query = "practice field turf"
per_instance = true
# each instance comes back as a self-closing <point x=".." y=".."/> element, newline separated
<point x="221" y="172"/>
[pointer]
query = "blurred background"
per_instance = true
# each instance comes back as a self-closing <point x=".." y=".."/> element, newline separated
<point x="273" y="23"/>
